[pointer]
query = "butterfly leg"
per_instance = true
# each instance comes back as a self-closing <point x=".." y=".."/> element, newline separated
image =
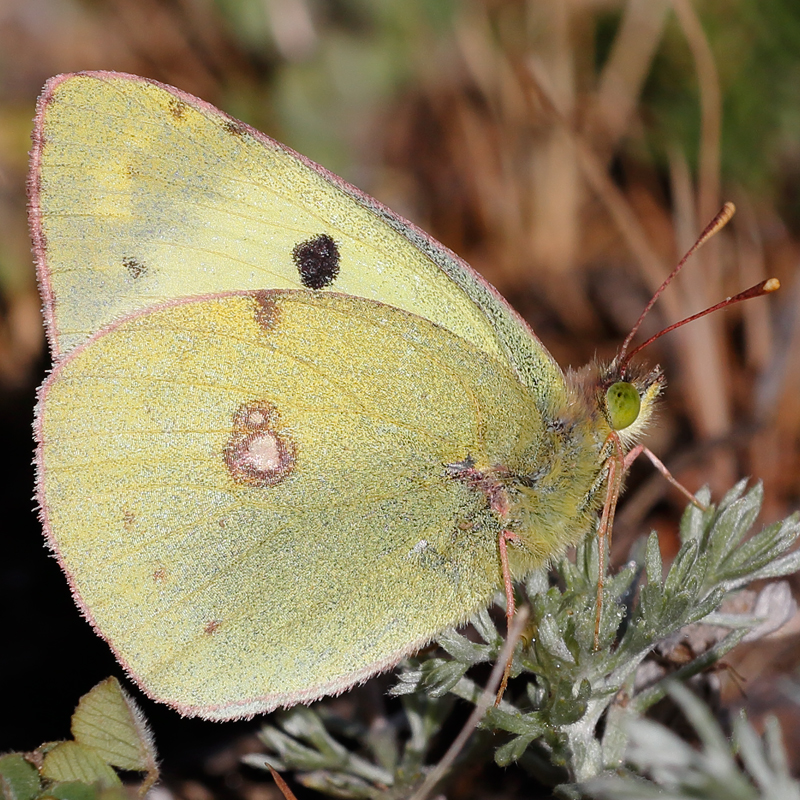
<point x="507" y="536"/>
<point x="618" y="465"/>
<point x="661" y="467"/>
<point x="616" y="469"/>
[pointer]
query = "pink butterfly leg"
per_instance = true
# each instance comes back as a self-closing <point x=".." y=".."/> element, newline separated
<point x="507" y="536"/>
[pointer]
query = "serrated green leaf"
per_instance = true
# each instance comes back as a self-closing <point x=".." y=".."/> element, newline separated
<point x="107" y="721"/>
<point x="71" y="761"/>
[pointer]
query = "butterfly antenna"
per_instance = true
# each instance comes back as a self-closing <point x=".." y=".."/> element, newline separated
<point x="765" y="287"/>
<point x="721" y="219"/>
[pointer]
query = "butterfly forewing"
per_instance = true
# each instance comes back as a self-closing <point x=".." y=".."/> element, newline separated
<point x="142" y="193"/>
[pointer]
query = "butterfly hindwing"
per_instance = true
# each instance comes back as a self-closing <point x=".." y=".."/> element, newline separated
<point x="271" y="518"/>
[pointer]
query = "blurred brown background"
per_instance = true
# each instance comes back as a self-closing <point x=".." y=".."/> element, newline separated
<point x="570" y="150"/>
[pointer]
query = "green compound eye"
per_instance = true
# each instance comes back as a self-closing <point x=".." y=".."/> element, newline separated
<point x="623" y="404"/>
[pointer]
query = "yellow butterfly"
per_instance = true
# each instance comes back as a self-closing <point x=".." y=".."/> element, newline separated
<point x="288" y="437"/>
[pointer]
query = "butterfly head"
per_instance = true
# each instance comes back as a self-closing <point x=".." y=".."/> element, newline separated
<point x="627" y="396"/>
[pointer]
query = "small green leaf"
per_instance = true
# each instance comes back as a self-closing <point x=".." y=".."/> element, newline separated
<point x="443" y="676"/>
<point x="110" y="723"/>
<point x="75" y="790"/>
<point x="19" y="779"/>
<point x="70" y="761"/>
<point x="513" y="750"/>
<point x="463" y="649"/>
<point x="653" y="563"/>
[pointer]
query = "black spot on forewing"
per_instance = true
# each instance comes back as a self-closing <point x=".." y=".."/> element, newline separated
<point x="135" y="267"/>
<point x="317" y="261"/>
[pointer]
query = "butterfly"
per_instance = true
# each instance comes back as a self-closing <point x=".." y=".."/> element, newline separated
<point x="288" y="437"/>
